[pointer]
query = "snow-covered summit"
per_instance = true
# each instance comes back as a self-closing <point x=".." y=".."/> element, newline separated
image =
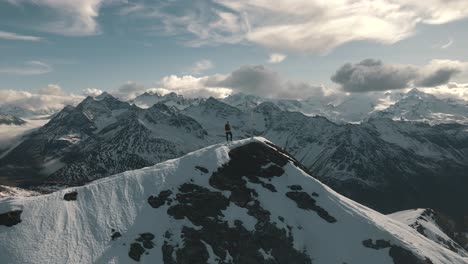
<point x="247" y="202"/>
<point x="423" y="107"/>
<point x="148" y="99"/>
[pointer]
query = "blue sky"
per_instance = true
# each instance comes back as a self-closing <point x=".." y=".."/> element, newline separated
<point x="108" y="44"/>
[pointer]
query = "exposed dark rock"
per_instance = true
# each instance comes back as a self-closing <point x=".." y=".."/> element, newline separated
<point x="136" y="250"/>
<point x="379" y="244"/>
<point x="147" y="240"/>
<point x="11" y="218"/>
<point x="399" y="254"/>
<point x="161" y="199"/>
<point x="248" y="161"/>
<point x="71" y="196"/>
<point x="295" y="187"/>
<point x="168" y="251"/>
<point x="403" y="256"/>
<point x="252" y="162"/>
<point x="202" y="169"/>
<point x="143" y="242"/>
<point x="116" y="235"/>
<point x="197" y="203"/>
<point x="315" y="194"/>
<point x="304" y="201"/>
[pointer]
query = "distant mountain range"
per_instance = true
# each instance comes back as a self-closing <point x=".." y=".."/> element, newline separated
<point x="23" y="112"/>
<point x="11" y="120"/>
<point x="423" y="107"/>
<point x="386" y="164"/>
<point x="246" y="202"/>
<point x="412" y="106"/>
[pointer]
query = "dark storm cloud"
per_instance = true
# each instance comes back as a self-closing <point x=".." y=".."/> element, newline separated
<point x="374" y="75"/>
<point x="440" y="76"/>
<point x="259" y="80"/>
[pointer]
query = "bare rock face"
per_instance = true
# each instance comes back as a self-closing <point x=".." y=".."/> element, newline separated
<point x="305" y="201"/>
<point x="10" y="218"/>
<point x="71" y="196"/>
<point x="203" y="207"/>
<point x="161" y="199"/>
<point x="398" y="254"/>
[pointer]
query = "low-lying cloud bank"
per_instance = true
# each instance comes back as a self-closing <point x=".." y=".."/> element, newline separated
<point x="374" y="75"/>
<point x="50" y="98"/>
<point x="370" y="76"/>
<point x="249" y="79"/>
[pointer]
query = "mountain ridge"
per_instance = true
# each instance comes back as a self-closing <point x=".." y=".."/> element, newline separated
<point x="248" y="191"/>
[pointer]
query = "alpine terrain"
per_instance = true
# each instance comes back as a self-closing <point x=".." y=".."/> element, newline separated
<point x="246" y="202"/>
<point x="388" y="165"/>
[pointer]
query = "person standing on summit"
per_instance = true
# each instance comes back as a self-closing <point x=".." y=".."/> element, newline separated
<point x="227" y="129"/>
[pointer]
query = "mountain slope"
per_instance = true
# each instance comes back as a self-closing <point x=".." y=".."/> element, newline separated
<point x="423" y="107"/>
<point x="100" y="137"/>
<point x="244" y="203"/>
<point x="11" y="120"/>
<point x="385" y="164"/>
<point x="437" y="227"/>
<point x="147" y="99"/>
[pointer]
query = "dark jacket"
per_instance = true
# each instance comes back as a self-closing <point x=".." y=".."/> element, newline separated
<point x="227" y="128"/>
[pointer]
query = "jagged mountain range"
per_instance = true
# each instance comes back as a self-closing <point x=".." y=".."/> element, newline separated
<point x="424" y="107"/>
<point x="385" y="164"/>
<point x="11" y="120"/>
<point x="22" y="112"/>
<point x="247" y="202"/>
<point x="412" y="106"/>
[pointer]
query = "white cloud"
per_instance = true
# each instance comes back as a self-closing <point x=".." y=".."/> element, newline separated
<point x="451" y="90"/>
<point x="256" y="80"/>
<point x="67" y="17"/>
<point x="51" y="97"/>
<point x="91" y="92"/>
<point x="276" y="58"/>
<point x="27" y="68"/>
<point x="128" y="90"/>
<point x="201" y="66"/>
<point x="313" y="26"/>
<point x="14" y="36"/>
<point x="191" y="86"/>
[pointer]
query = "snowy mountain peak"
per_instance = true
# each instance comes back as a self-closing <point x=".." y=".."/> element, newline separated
<point x="418" y="94"/>
<point x="105" y="103"/>
<point x="11" y="120"/>
<point x="267" y="107"/>
<point x="103" y="96"/>
<point x="172" y="99"/>
<point x="423" y="107"/>
<point x="247" y="202"/>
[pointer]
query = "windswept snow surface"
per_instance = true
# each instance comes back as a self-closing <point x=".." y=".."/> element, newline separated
<point x="183" y="211"/>
<point x="433" y="226"/>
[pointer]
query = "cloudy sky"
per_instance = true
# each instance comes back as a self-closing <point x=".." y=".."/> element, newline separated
<point x="283" y="48"/>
